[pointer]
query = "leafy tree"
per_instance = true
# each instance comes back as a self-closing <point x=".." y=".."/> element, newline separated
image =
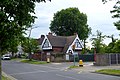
<point x="109" y="48"/>
<point x="113" y="47"/>
<point x="30" y="45"/>
<point x="116" y="48"/>
<point x="116" y="12"/>
<point x="98" y="42"/>
<point x="69" y="21"/>
<point x="15" y="17"/>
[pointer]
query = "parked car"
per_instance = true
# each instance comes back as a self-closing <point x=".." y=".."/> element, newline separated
<point x="6" y="57"/>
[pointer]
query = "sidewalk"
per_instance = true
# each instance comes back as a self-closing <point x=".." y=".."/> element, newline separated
<point x="89" y="67"/>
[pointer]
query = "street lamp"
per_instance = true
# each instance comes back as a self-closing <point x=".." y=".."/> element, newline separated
<point x="73" y="47"/>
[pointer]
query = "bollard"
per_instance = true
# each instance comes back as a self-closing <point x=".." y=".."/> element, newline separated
<point x="80" y="63"/>
<point x="48" y="60"/>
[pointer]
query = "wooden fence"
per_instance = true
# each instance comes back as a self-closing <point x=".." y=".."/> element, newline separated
<point x="107" y="59"/>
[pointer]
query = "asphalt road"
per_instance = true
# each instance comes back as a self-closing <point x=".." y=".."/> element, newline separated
<point x="54" y="71"/>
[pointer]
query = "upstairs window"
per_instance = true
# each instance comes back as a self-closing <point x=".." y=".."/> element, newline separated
<point x="77" y="44"/>
<point x="46" y="44"/>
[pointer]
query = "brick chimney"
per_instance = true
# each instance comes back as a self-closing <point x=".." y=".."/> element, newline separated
<point x="50" y="33"/>
<point x="42" y="36"/>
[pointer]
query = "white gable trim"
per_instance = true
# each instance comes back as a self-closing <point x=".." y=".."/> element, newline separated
<point x="70" y="47"/>
<point x="47" y="48"/>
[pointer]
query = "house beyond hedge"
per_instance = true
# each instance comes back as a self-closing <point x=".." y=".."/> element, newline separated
<point x="59" y="48"/>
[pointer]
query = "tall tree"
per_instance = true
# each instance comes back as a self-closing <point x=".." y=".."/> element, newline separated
<point x="15" y="17"/>
<point x="69" y="21"/>
<point x="30" y="45"/>
<point x="97" y="42"/>
<point x="116" y="12"/>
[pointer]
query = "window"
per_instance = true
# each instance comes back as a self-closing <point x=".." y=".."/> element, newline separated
<point x="46" y="44"/>
<point x="77" y="44"/>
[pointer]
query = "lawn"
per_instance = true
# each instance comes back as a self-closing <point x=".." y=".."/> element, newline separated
<point x="34" y="62"/>
<point x="109" y="72"/>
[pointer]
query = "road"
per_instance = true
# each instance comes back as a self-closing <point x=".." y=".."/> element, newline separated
<point x="54" y="71"/>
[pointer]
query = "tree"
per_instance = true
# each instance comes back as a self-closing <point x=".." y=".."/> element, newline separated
<point x="116" y="12"/>
<point x="98" y="42"/>
<point x="113" y="47"/>
<point x="30" y="45"/>
<point x="69" y="21"/>
<point x="15" y="17"/>
<point x="116" y="48"/>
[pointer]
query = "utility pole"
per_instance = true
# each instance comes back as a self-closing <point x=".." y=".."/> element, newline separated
<point x="29" y="43"/>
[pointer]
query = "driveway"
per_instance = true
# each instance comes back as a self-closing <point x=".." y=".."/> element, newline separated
<point x="53" y="71"/>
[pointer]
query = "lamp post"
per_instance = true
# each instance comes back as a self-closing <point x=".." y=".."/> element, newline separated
<point x="73" y="47"/>
<point x="29" y="43"/>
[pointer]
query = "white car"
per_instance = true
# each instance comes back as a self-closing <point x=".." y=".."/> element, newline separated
<point x="5" y="57"/>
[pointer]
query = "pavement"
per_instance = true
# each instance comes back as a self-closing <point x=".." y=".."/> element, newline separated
<point x="89" y="67"/>
<point x="54" y="71"/>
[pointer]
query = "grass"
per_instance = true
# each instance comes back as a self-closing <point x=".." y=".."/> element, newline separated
<point x="109" y="72"/>
<point x="33" y="62"/>
<point x="73" y="67"/>
<point x="5" y="78"/>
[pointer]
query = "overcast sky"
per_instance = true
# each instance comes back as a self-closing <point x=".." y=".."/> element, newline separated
<point x="98" y="14"/>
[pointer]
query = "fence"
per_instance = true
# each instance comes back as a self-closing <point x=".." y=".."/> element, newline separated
<point x="107" y="59"/>
<point x="84" y="57"/>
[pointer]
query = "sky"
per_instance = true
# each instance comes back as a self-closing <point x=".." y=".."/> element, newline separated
<point x="98" y="15"/>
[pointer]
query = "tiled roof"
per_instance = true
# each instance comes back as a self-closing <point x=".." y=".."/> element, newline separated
<point x="57" y="41"/>
<point x="69" y="41"/>
<point x="40" y="40"/>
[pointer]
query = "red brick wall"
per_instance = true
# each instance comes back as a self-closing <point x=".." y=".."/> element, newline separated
<point x="58" y="49"/>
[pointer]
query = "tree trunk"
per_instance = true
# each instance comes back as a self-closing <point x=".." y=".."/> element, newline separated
<point x="30" y="56"/>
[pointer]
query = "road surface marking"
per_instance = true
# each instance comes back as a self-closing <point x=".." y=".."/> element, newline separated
<point x="67" y="77"/>
<point x="28" y="72"/>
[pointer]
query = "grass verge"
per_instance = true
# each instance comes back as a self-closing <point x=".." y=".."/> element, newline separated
<point x="71" y="67"/>
<point x="33" y="62"/>
<point x="5" y="78"/>
<point x="109" y="72"/>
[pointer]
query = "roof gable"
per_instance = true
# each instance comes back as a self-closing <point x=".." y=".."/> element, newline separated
<point x="46" y="44"/>
<point x="77" y="43"/>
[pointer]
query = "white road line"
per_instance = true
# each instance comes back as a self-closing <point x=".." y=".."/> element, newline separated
<point x="27" y="72"/>
<point x="67" y="77"/>
<point x="47" y="67"/>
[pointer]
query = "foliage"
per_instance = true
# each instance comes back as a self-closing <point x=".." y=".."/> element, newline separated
<point x="15" y="17"/>
<point x="113" y="47"/>
<point x="30" y="45"/>
<point x="116" y="48"/>
<point x="116" y="12"/>
<point x="98" y="42"/>
<point x="69" y="21"/>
